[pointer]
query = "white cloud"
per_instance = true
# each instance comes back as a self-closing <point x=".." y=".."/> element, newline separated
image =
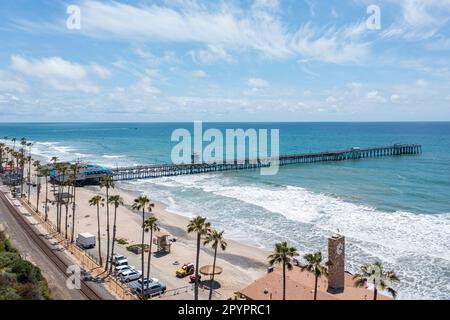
<point x="355" y="85"/>
<point x="257" y="83"/>
<point x="334" y="46"/>
<point x="375" y="96"/>
<point x="54" y="67"/>
<point x="421" y="83"/>
<point x="59" y="73"/>
<point x="12" y="83"/>
<point x="224" y="28"/>
<point x="331" y="99"/>
<point x="419" y="19"/>
<point x="211" y="55"/>
<point x="395" y="98"/>
<point x="100" y="71"/>
<point x="145" y="86"/>
<point x="199" y="74"/>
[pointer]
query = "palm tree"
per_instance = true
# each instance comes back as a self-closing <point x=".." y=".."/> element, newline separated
<point x="375" y="275"/>
<point x="216" y="239"/>
<point x="46" y="173"/>
<point x="66" y="204"/>
<point x="151" y="225"/>
<point x="140" y="204"/>
<point x="37" y="168"/>
<point x="62" y="169"/>
<point x="98" y="201"/>
<point x="29" y="144"/>
<point x="314" y="265"/>
<point x="116" y="201"/>
<point x="11" y="164"/>
<point x="22" y="160"/>
<point x="283" y="255"/>
<point x="74" y="169"/>
<point x="201" y="227"/>
<point x="2" y="149"/>
<point x="107" y="182"/>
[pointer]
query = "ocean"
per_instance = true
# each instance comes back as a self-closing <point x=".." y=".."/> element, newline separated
<point x="394" y="209"/>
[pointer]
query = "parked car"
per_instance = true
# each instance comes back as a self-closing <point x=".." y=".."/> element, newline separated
<point x="130" y="275"/>
<point x="186" y="270"/>
<point x="138" y="284"/>
<point x="116" y="258"/>
<point x="121" y="262"/>
<point x="119" y="269"/>
<point x="152" y="288"/>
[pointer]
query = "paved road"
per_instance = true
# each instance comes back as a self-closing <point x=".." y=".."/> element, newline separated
<point x="28" y="248"/>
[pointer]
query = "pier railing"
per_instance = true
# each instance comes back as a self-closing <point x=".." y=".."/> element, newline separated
<point x="166" y="170"/>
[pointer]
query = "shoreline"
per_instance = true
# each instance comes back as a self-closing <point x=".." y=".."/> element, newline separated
<point x="242" y="263"/>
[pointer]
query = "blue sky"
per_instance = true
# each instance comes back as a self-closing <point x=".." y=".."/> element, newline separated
<point x="253" y="60"/>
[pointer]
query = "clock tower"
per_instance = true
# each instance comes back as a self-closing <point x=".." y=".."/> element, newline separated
<point x="336" y="272"/>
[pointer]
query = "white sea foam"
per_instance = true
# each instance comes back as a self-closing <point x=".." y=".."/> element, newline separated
<point x="415" y="245"/>
<point x="402" y="231"/>
<point x="107" y="156"/>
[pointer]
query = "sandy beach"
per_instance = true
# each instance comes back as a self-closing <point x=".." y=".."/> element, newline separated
<point x="242" y="264"/>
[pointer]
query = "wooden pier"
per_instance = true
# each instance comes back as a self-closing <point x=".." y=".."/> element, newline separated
<point x="167" y="170"/>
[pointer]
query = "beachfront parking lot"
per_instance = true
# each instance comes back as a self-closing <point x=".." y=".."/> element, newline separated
<point x="176" y="288"/>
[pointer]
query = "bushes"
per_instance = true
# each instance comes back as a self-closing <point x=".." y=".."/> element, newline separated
<point x="9" y="293"/>
<point x="26" y="272"/>
<point x="19" y="279"/>
<point x="137" y="248"/>
<point x="7" y="259"/>
<point x="122" y="241"/>
<point x="5" y="246"/>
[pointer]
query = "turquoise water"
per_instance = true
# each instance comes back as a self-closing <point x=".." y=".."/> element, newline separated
<point x="394" y="209"/>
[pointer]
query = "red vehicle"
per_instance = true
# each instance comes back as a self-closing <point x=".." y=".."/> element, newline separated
<point x="192" y="279"/>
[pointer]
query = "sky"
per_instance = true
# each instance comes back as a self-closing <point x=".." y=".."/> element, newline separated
<point x="252" y="60"/>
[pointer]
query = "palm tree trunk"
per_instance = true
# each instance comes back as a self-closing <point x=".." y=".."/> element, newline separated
<point x="149" y="258"/>
<point x="113" y="238"/>
<point x="73" y="213"/>
<point x="197" y="261"/>
<point x="375" y="294"/>
<point x="214" y="272"/>
<point x="315" y="287"/>
<point x="107" y="230"/>
<point x="38" y="195"/>
<point x="29" y="180"/>
<point x="284" y="281"/>
<point x="66" y="225"/>
<point x="46" y="199"/>
<point x="99" y="234"/>
<point x="22" y="180"/>
<point x="142" y="254"/>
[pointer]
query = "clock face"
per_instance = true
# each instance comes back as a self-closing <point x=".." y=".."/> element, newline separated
<point x="339" y="249"/>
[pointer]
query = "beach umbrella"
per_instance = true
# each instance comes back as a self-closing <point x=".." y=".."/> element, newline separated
<point x="208" y="270"/>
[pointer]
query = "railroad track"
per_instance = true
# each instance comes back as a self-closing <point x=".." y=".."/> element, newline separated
<point x="86" y="290"/>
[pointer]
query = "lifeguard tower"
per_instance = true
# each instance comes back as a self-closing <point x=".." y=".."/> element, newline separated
<point x="161" y="240"/>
